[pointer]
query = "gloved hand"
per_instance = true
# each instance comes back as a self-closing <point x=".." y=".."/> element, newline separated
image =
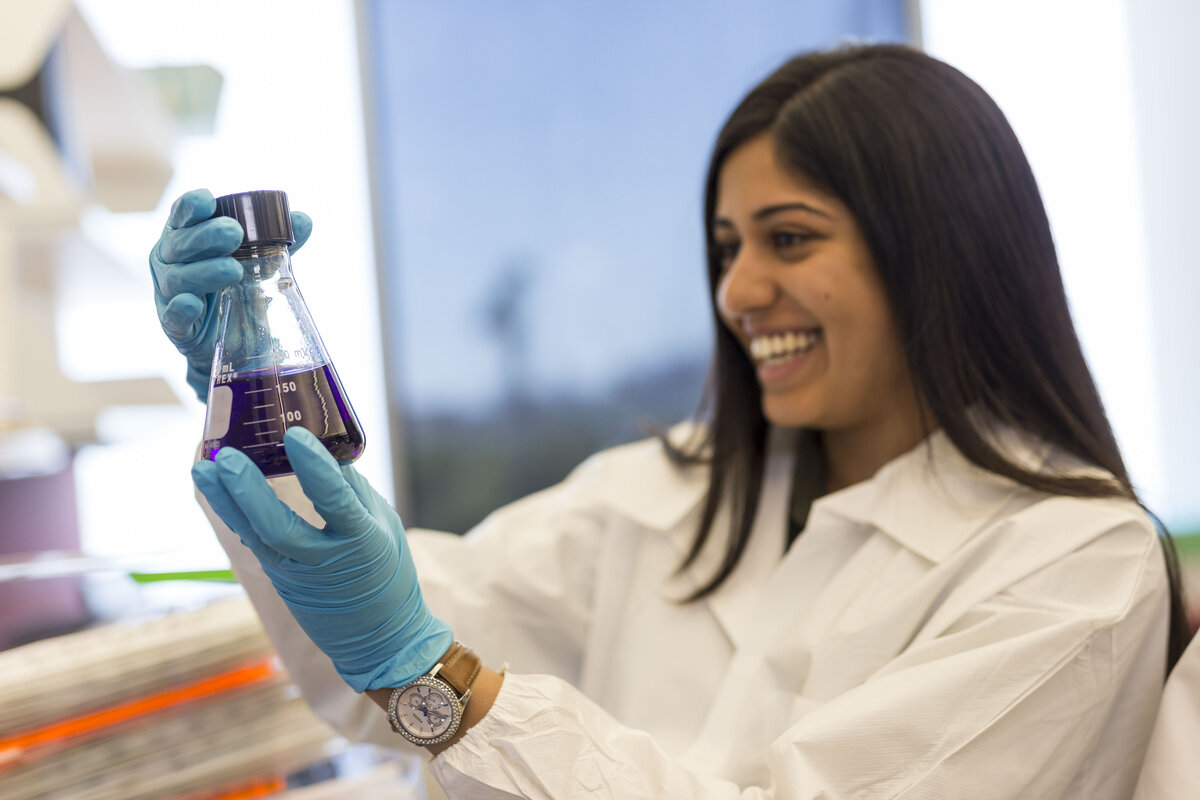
<point x="191" y="265"/>
<point x="351" y="586"/>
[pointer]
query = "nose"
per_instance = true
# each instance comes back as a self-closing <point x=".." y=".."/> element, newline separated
<point x="746" y="286"/>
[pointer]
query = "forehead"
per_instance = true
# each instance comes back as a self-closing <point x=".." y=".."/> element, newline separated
<point x="753" y="177"/>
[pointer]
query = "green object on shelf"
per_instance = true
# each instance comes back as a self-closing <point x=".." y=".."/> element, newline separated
<point x="1188" y="547"/>
<point x="218" y="575"/>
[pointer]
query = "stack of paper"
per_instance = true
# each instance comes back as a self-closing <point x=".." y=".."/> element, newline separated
<point x="192" y="705"/>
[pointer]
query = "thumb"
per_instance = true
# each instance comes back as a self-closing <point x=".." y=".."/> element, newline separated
<point x="321" y="479"/>
<point x="376" y="506"/>
<point x="301" y="229"/>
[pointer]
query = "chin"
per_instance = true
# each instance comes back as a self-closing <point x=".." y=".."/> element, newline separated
<point x="788" y="415"/>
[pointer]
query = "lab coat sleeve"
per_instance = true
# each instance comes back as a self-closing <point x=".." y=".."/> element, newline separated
<point x="517" y="589"/>
<point x="353" y="715"/>
<point x="1007" y="702"/>
<point x="1171" y="770"/>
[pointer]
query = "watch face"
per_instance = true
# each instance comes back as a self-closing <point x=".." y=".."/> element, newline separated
<point x="426" y="711"/>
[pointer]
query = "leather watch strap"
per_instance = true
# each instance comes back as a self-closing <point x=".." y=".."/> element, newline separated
<point x="460" y="668"/>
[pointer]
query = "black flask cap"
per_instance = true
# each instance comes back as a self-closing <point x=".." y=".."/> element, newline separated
<point x="264" y="216"/>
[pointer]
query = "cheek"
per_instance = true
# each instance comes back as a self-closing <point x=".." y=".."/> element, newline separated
<point x="861" y="332"/>
<point x="822" y="288"/>
<point x="878" y="361"/>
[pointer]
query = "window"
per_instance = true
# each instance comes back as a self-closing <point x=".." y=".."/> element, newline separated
<point x="539" y="170"/>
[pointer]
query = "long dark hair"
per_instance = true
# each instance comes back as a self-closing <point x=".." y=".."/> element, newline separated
<point x="942" y="191"/>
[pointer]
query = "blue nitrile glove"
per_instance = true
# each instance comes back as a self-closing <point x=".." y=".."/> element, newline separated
<point x="191" y="265"/>
<point x="351" y="586"/>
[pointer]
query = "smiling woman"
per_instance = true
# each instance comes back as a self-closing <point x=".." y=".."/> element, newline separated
<point x="898" y="554"/>
<point x="962" y="321"/>
<point x="800" y="290"/>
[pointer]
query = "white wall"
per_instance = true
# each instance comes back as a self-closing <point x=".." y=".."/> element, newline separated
<point x="1165" y="64"/>
<point x="1082" y="81"/>
<point x="290" y="118"/>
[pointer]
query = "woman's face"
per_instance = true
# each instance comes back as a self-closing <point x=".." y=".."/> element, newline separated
<point x="801" y="292"/>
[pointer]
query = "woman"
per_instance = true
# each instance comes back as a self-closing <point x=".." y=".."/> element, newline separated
<point x="899" y="557"/>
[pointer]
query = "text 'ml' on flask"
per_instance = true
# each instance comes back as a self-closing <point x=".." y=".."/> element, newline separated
<point x="270" y="368"/>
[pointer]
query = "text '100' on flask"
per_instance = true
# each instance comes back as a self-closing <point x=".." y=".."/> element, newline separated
<point x="271" y="370"/>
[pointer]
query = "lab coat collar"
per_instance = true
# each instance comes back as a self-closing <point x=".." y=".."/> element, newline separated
<point x="932" y="499"/>
<point x="733" y="599"/>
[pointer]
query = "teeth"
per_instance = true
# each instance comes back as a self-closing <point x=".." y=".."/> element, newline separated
<point x="778" y="346"/>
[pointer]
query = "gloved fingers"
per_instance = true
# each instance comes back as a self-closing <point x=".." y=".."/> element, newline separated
<point x="219" y="236"/>
<point x="198" y="277"/>
<point x="301" y="229"/>
<point x="204" y="475"/>
<point x="179" y="314"/>
<point x="271" y="522"/>
<point x="199" y="204"/>
<point x="190" y="323"/>
<point x="191" y="207"/>
<point x="372" y="501"/>
<point x="321" y="478"/>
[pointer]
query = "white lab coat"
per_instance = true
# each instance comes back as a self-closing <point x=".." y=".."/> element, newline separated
<point x="935" y="632"/>
<point x="1171" y="770"/>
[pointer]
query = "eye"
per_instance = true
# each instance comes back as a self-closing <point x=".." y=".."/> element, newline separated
<point x="789" y="241"/>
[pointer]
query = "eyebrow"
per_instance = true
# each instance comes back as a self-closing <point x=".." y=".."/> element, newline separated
<point x="768" y="211"/>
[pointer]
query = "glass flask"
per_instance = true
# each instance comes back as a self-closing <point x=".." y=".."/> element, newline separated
<point x="270" y="368"/>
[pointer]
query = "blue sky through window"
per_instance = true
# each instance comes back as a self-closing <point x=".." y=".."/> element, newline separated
<point x="544" y="160"/>
<point x="541" y="167"/>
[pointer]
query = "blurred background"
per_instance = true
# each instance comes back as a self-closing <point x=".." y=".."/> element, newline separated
<point x="506" y="263"/>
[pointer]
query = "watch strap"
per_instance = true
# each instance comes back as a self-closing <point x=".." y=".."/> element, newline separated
<point x="459" y="669"/>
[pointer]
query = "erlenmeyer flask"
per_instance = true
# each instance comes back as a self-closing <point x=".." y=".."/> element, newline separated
<point x="270" y="369"/>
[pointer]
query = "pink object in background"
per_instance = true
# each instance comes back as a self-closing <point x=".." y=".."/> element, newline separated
<point x="37" y="514"/>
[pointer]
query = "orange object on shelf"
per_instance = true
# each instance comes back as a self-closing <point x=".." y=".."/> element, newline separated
<point x="15" y="747"/>
<point x="263" y="787"/>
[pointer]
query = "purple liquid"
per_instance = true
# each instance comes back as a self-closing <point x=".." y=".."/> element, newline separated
<point x="260" y="406"/>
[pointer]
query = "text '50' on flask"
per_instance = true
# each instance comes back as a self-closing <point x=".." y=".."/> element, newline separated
<point x="270" y="368"/>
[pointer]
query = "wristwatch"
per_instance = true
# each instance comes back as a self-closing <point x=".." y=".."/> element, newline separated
<point x="429" y="710"/>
